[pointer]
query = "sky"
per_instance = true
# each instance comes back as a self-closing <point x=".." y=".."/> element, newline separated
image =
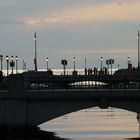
<point x="65" y="29"/>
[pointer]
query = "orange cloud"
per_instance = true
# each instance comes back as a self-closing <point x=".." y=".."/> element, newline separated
<point x="110" y="12"/>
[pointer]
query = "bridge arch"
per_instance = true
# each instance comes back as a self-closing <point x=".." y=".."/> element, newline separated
<point x="40" y="112"/>
<point x="38" y="107"/>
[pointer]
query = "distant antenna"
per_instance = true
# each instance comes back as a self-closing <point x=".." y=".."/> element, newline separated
<point x="35" y="59"/>
<point x="23" y="65"/>
<point x="85" y="62"/>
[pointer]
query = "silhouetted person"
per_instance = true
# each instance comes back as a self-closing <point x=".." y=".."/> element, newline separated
<point x="105" y="70"/>
<point x="85" y="71"/>
<point x="95" y="71"/>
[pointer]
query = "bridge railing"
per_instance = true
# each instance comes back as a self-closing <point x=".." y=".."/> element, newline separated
<point x="44" y="81"/>
<point x="84" y="82"/>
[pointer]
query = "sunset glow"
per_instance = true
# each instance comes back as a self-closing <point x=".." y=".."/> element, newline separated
<point x="109" y="12"/>
<point x="65" y="29"/>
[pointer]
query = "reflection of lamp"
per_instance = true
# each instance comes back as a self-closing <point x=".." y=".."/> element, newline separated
<point x="47" y="60"/>
<point x="16" y="64"/>
<point x="7" y="60"/>
<point x="1" y="58"/>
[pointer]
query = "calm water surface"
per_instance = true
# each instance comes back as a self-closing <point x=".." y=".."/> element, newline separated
<point x="95" y="124"/>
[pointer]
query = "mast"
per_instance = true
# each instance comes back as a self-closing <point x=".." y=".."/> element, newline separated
<point x="35" y="59"/>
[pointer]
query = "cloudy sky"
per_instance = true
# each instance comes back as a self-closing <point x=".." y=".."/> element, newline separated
<point x="70" y="28"/>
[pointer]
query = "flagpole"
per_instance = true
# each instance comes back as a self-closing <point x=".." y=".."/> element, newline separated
<point x="138" y="51"/>
<point x="35" y="59"/>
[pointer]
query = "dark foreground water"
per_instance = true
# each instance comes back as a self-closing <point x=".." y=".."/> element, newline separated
<point x="89" y="124"/>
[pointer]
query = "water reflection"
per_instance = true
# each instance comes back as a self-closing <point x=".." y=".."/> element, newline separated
<point x="96" y="124"/>
<point x="89" y="124"/>
<point x="32" y="134"/>
<point x="138" y="119"/>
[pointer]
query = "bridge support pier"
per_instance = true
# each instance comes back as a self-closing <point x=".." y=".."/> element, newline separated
<point x="103" y="103"/>
<point x="13" y="114"/>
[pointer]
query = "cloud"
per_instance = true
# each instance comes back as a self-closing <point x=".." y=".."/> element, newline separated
<point x="10" y="22"/>
<point x="130" y="51"/>
<point x="108" y="12"/>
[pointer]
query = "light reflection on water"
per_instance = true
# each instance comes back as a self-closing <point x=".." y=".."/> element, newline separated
<point x="94" y="123"/>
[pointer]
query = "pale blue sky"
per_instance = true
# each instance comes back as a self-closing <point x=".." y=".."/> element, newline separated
<point x="69" y="28"/>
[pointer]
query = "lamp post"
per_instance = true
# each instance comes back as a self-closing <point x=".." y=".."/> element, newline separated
<point x="64" y="63"/>
<point x="35" y="59"/>
<point x="111" y="63"/>
<point x="47" y="60"/>
<point x="16" y="64"/>
<point x="12" y="63"/>
<point x="85" y="66"/>
<point x="1" y="59"/>
<point x="7" y="60"/>
<point x="128" y="60"/>
<point x="107" y="63"/>
<point x="101" y="63"/>
<point x="74" y="63"/>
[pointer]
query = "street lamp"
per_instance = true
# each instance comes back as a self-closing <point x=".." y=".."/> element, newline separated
<point x="64" y="63"/>
<point x="107" y="63"/>
<point x="111" y="63"/>
<point x="35" y="59"/>
<point x="85" y="66"/>
<point x="128" y="60"/>
<point x="74" y="63"/>
<point x="7" y="60"/>
<point x="1" y="58"/>
<point x="47" y="60"/>
<point x="16" y="64"/>
<point x="101" y="63"/>
<point x="12" y="64"/>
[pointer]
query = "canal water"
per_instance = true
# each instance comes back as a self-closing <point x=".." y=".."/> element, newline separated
<point x="95" y="124"/>
<point x="88" y="124"/>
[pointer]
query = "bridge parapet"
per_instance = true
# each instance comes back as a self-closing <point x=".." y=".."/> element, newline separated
<point x="42" y="80"/>
<point x="16" y="83"/>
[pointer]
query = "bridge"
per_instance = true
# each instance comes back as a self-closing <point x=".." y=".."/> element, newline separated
<point x="21" y="105"/>
<point x="43" y="80"/>
<point x="32" y="108"/>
